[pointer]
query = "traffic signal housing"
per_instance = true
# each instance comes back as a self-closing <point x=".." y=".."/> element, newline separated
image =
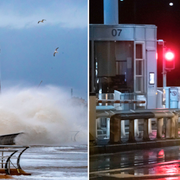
<point x="169" y="60"/>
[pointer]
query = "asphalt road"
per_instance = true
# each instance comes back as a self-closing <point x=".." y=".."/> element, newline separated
<point x="160" y="163"/>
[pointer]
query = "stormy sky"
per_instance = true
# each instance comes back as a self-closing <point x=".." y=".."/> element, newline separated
<point x="26" y="47"/>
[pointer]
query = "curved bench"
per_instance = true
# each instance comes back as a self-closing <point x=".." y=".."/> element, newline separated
<point x="6" y="160"/>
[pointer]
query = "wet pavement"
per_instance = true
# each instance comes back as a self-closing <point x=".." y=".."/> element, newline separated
<point x="159" y="163"/>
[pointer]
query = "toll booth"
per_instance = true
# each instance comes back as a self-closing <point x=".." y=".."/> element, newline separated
<point x="123" y="58"/>
<point x="122" y="66"/>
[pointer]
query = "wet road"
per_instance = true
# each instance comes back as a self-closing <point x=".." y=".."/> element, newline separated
<point x="159" y="163"/>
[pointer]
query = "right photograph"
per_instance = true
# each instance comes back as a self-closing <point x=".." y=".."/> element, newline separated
<point x="134" y="109"/>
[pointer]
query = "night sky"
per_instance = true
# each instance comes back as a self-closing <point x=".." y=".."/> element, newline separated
<point x="157" y="12"/>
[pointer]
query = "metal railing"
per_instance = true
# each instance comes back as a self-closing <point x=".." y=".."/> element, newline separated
<point x="8" y="166"/>
<point x="122" y="101"/>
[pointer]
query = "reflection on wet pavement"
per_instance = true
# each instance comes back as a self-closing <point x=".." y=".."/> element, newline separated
<point x="159" y="163"/>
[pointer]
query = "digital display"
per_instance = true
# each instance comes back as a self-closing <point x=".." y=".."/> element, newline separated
<point x="151" y="78"/>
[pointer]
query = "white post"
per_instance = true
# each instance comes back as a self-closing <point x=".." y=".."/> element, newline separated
<point x="108" y="128"/>
<point x="111" y="12"/>
<point x="167" y="98"/>
<point x="117" y="95"/>
<point x="164" y="71"/>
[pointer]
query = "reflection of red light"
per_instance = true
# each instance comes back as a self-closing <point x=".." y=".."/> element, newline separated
<point x="161" y="152"/>
<point x="167" y="169"/>
<point x="156" y="56"/>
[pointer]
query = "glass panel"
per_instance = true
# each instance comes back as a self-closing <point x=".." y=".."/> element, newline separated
<point x="121" y="67"/>
<point x="103" y="122"/>
<point x="139" y="51"/>
<point x="114" y="66"/>
<point x="105" y="57"/>
<point x="139" y="84"/>
<point x="117" y="67"/>
<point x="138" y="67"/>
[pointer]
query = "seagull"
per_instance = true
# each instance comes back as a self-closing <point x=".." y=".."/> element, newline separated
<point x="41" y="21"/>
<point x="55" y="51"/>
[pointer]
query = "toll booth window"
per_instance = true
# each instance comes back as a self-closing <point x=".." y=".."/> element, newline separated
<point x="139" y="51"/>
<point x="138" y="67"/>
<point x="113" y="66"/>
<point x="121" y="67"/>
<point x="139" y="84"/>
<point x="138" y="71"/>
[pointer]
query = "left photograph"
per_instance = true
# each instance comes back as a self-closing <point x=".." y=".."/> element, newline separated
<point x="43" y="89"/>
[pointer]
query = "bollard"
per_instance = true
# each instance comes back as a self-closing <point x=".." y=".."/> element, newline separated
<point x="115" y="130"/>
<point x="92" y="117"/>
<point x="123" y="133"/>
<point x="136" y="128"/>
<point x="174" y="126"/>
<point x="149" y="126"/>
<point x="131" y="131"/>
<point x="146" y="130"/>
<point x="168" y="128"/>
<point x="159" y="128"/>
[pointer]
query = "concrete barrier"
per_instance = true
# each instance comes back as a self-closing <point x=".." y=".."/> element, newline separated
<point x="167" y="130"/>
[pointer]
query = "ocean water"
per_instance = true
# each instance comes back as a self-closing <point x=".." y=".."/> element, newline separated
<point x="46" y="115"/>
<point x="53" y="124"/>
<point x="55" y="163"/>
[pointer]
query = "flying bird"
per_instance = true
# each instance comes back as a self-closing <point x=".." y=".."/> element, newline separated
<point x="41" y="21"/>
<point x="55" y="51"/>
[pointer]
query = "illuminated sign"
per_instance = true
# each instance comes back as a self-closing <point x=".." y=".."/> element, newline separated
<point x="151" y="78"/>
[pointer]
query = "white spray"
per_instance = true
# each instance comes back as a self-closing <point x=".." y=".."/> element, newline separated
<point x="45" y="115"/>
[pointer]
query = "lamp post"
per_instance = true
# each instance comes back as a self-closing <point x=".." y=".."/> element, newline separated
<point x="165" y="90"/>
<point x="164" y="72"/>
<point x="161" y="42"/>
<point x="168" y="56"/>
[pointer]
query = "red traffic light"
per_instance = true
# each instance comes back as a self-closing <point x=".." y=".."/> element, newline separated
<point x="169" y="56"/>
<point x="169" y="60"/>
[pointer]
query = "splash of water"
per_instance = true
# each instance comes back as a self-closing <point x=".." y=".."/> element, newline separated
<point x="45" y="115"/>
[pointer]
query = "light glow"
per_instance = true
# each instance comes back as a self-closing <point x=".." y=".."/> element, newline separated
<point x="169" y="56"/>
<point x="171" y="4"/>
